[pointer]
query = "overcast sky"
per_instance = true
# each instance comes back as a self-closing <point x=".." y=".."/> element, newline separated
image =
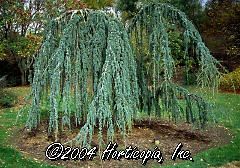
<point x="204" y="2"/>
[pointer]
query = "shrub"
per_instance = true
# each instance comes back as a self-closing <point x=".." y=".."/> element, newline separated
<point x="7" y="99"/>
<point x="231" y="81"/>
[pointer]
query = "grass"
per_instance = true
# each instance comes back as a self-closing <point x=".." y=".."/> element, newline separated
<point x="227" y="110"/>
<point x="10" y="157"/>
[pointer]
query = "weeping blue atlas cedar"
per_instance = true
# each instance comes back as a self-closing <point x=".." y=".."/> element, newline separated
<point x="90" y="71"/>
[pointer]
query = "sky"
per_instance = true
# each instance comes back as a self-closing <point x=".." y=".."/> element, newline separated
<point x="204" y="2"/>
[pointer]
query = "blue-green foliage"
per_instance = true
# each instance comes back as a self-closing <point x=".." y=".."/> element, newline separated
<point x="86" y="71"/>
<point x="158" y="92"/>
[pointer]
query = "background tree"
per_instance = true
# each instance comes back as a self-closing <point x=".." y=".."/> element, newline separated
<point x="22" y="23"/>
<point x="221" y="30"/>
<point x="128" y="8"/>
<point x="19" y="26"/>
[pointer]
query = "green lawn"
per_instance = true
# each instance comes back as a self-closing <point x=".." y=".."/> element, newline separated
<point x="227" y="110"/>
<point x="10" y="157"/>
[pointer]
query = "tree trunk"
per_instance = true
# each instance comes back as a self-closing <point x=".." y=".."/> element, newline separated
<point x="22" y="65"/>
<point x="23" y="78"/>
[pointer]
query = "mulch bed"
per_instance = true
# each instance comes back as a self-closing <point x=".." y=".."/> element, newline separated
<point x="230" y="91"/>
<point x="144" y="135"/>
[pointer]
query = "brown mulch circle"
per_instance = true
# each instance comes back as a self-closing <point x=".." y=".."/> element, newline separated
<point x="230" y="91"/>
<point x="144" y="135"/>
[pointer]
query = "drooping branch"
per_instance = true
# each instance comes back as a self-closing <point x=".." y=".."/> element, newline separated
<point x="91" y="72"/>
<point x="148" y="30"/>
<point x="86" y="72"/>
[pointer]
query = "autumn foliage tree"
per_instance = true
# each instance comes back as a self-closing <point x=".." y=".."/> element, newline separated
<point x="221" y="29"/>
<point x="19" y="28"/>
<point x="22" y="23"/>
